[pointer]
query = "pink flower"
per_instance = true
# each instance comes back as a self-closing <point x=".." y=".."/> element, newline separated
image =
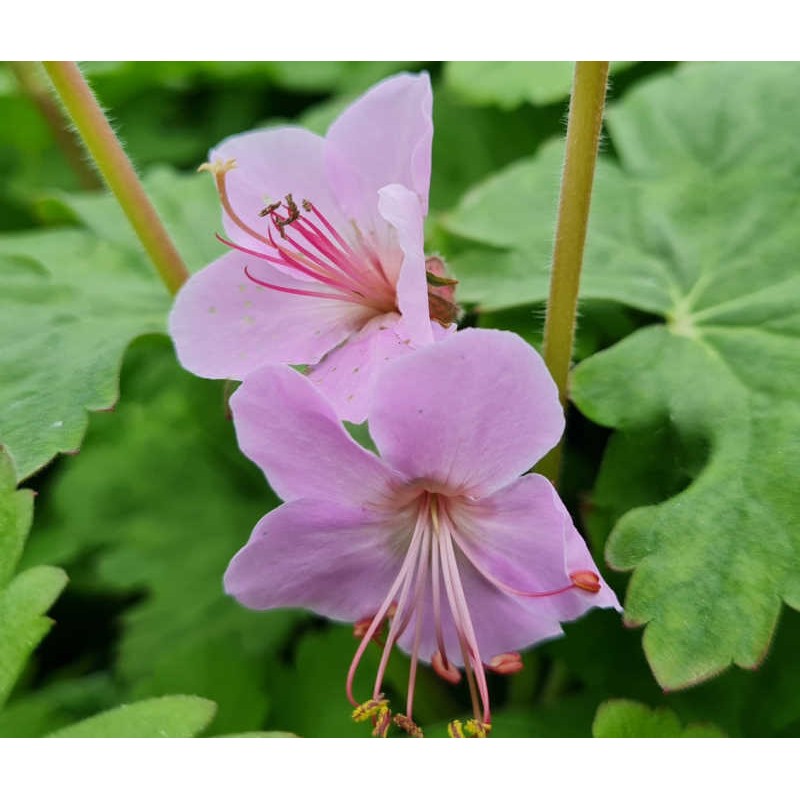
<point x="439" y="539"/>
<point x="326" y="261"/>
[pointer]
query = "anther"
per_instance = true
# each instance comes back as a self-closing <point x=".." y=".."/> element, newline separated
<point x="476" y="729"/>
<point x="586" y="579"/>
<point x="444" y="669"/>
<point x="381" y="722"/>
<point x="506" y="663"/>
<point x="455" y="730"/>
<point x="371" y="709"/>
<point x="267" y="210"/>
<point x="408" y="725"/>
<point x="293" y="215"/>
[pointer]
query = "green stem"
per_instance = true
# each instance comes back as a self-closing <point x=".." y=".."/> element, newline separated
<point x="583" y="136"/>
<point x="32" y="82"/>
<point x="117" y="170"/>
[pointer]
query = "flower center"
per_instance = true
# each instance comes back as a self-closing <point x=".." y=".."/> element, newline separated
<point x="430" y="569"/>
<point x="304" y="245"/>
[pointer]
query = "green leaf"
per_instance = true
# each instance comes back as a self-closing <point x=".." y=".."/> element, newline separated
<point x="166" y="527"/>
<point x="259" y="735"/>
<point x="470" y="143"/>
<point x="33" y="714"/>
<point x="512" y="215"/>
<point x="16" y="514"/>
<point x="700" y="225"/>
<point x="509" y="84"/>
<point x="22" y="624"/>
<point x="71" y="304"/>
<point x="25" y="598"/>
<point x="309" y="696"/>
<point x="160" y="717"/>
<point x="628" y="719"/>
<point x="345" y="76"/>
<point x="187" y="204"/>
<point x="72" y="301"/>
<point x="719" y="220"/>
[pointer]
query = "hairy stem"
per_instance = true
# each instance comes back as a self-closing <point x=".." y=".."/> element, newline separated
<point x="583" y="135"/>
<point x="33" y="84"/>
<point x="117" y="170"/>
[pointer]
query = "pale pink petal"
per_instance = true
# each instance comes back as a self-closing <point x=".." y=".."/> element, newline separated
<point x="291" y="431"/>
<point x="224" y="325"/>
<point x="333" y="559"/>
<point x="401" y="208"/>
<point x="386" y="137"/>
<point x="346" y="375"/>
<point x="468" y="414"/>
<point x="269" y="165"/>
<point x="523" y="537"/>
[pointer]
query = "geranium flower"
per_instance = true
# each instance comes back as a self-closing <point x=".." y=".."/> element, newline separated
<point x="439" y="539"/>
<point x="327" y="260"/>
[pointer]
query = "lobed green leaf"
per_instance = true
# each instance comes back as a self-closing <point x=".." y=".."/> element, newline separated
<point x="176" y="717"/>
<point x="629" y="719"/>
<point x="698" y="224"/>
<point x="73" y="299"/>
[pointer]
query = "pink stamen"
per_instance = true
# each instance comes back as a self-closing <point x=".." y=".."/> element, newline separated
<point x="363" y="271"/>
<point x="419" y="598"/>
<point x="402" y="616"/>
<point x="347" y="263"/>
<point x="299" y="262"/>
<point x="437" y="608"/>
<point x="379" y="617"/>
<point x="307" y="255"/>
<point x="303" y="292"/>
<point x="463" y="620"/>
<point x="283" y="263"/>
<point x="580" y="579"/>
<point x="308" y="206"/>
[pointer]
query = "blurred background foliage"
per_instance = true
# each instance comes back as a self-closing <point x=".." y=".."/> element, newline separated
<point x="146" y="516"/>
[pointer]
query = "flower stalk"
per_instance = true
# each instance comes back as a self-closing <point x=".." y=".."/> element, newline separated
<point x="583" y="136"/>
<point x="117" y="170"/>
<point x="32" y="82"/>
